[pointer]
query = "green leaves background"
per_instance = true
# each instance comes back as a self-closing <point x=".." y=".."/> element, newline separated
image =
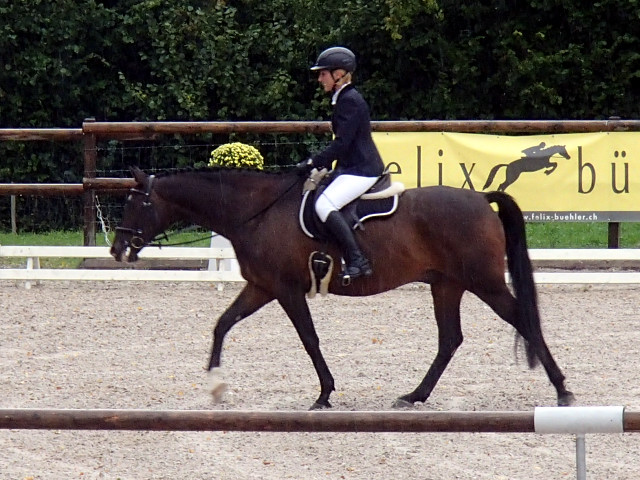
<point x="214" y="60"/>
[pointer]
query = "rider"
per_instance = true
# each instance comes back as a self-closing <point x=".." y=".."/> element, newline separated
<point x="358" y="163"/>
<point x="534" y="151"/>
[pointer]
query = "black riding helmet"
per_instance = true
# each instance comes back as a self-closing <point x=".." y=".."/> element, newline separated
<point x="334" y="58"/>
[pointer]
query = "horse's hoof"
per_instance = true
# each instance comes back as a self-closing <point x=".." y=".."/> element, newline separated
<point x="566" y="399"/>
<point x="320" y="406"/>
<point x="402" y="403"/>
<point x="217" y="385"/>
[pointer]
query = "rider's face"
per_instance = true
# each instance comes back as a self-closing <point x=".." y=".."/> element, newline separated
<point x="326" y="80"/>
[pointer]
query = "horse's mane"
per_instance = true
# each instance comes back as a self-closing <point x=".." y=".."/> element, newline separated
<point x="206" y="171"/>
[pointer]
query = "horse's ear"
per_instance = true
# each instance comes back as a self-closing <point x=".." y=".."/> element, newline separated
<point x="138" y="175"/>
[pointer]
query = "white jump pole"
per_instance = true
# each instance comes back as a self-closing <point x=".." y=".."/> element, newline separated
<point x="579" y="421"/>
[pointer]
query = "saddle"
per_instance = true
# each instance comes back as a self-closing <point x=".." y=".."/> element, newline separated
<point x="379" y="201"/>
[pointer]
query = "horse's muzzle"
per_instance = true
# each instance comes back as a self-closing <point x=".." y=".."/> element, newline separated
<point x="116" y="251"/>
<point x="121" y="251"/>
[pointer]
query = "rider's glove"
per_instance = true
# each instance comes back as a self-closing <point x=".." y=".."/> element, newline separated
<point x="303" y="168"/>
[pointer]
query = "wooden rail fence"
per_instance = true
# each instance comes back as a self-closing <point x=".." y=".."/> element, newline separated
<point x="92" y="131"/>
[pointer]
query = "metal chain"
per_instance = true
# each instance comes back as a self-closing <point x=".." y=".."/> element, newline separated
<point x="104" y="223"/>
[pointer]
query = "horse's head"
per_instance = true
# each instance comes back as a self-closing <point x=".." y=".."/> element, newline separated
<point x="140" y="221"/>
<point x="562" y="151"/>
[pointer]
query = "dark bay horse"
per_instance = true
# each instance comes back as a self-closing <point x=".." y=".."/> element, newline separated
<point x="449" y="238"/>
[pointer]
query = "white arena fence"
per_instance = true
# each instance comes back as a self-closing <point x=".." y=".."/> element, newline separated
<point x="223" y="268"/>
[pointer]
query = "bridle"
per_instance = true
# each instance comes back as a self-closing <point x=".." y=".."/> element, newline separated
<point x="137" y="235"/>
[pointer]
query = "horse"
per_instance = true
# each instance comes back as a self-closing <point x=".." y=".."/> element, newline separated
<point x="529" y="163"/>
<point x="449" y="238"/>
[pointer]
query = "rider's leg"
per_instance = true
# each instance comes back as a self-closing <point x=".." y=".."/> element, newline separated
<point x="345" y="189"/>
<point x="356" y="263"/>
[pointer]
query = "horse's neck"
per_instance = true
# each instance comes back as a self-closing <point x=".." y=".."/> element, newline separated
<point x="552" y="150"/>
<point x="221" y="201"/>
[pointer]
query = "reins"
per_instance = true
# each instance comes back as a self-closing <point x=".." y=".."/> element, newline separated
<point x="260" y="212"/>
<point x="164" y="235"/>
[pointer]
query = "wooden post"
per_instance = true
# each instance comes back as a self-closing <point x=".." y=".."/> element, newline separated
<point x="14" y="223"/>
<point x="89" y="196"/>
<point x="614" y="235"/>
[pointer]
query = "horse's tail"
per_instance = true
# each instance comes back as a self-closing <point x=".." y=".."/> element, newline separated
<point x="520" y="270"/>
<point x="492" y="174"/>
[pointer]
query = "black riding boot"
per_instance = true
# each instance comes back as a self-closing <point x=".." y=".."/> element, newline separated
<point x="356" y="263"/>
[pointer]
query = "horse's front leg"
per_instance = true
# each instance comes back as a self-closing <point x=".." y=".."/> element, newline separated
<point x="295" y="306"/>
<point x="552" y="167"/>
<point x="250" y="299"/>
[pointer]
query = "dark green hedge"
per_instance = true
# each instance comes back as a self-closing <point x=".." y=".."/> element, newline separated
<point x="419" y="59"/>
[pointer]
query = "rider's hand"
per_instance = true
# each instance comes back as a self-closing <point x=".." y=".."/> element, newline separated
<point x="303" y="168"/>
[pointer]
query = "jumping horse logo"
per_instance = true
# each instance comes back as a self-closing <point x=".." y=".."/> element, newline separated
<point x="535" y="158"/>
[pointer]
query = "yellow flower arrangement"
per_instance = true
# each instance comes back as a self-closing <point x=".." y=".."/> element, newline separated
<point x="236" y="155"/>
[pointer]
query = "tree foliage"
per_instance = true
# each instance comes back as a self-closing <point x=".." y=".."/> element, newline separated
<point x="246" y="59"/>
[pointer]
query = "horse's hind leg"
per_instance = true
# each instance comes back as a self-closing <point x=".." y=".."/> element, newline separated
<point x="510" y="177"/>
<point x="446" y="305"/>
<point x="504" y="304"/>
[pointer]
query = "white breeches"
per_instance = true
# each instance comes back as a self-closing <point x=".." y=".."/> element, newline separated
<point x="344" y="189"/>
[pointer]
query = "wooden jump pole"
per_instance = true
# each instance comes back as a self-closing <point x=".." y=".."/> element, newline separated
<point x="264" y="421"/>
<point x="206" y="420"/>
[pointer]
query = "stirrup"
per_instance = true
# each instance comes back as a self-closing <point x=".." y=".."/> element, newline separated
<point x="345" y="280"/>
<point x="363" y="271"/>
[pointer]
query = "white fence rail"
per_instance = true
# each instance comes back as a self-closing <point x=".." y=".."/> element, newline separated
<point x="219" y="271"/>
<point x="609" y="265"/>
<point x="119" y="271"/>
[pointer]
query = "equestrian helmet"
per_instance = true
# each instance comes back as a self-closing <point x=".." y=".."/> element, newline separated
<point x="334" y="58"/>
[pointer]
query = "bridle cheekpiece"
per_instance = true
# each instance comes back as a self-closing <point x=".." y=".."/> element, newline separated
<point x="137" y="235"/>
